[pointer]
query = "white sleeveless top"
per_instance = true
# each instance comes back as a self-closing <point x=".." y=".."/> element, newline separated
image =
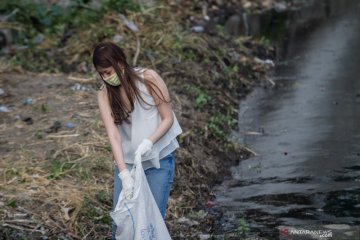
<point x="144" y="120"/>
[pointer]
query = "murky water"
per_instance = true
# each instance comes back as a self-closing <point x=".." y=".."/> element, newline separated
<point x="306" y="135"/>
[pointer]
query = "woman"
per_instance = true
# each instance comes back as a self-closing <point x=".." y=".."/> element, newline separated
<point x="136" y="110"/>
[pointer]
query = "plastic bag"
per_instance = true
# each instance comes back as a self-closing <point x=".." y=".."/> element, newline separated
<point x="139" y="218"/>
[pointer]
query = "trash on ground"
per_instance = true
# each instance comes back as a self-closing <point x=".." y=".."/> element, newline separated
<point x="28" y="101"/>
<point x="198" y="29"/>
<point x="130" y="24"/>
<point x="28" y="120"/>
<point x="79" y="87"/>
<point x="4" y="109"/>
<point x="70" y="125"/>
<point x="54" y="128"/>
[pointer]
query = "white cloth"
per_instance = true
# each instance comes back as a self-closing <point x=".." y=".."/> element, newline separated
<point x="144" y="120"/>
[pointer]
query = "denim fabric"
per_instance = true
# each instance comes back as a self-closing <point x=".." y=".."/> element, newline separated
<point x="160" y="181"/>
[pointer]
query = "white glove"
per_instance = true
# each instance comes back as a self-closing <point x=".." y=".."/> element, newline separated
<point x="127" y="183"/>
<point x="144" y="148"/>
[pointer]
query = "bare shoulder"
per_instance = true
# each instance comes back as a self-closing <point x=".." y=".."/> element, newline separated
<point x="101" y="93"/>
<point x="152" y="75"/>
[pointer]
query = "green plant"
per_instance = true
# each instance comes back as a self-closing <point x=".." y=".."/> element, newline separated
<point x="39" y="134"/>
<point x="11" y="203"/>
<point x="90" y="211"/>
<point x="219" y="124"/>
<point x="201" y="97"/>
<point x="243" y="228"/>
<point x="58" y="168"/>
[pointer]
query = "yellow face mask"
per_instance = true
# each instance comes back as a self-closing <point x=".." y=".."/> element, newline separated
<point x="113" y="80"/>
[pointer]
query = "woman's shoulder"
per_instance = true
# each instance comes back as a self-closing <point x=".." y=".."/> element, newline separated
<point x="101" y="91"/>
<point x="151" y="75"/>
<point x="145" y="71"/>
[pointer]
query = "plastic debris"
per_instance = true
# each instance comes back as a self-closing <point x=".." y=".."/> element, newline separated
<point x="79" y="87"/>
<point x="4" y="109"/>
<point x="187" y="221"/>
<point x="117" y="38"/>
<point x="210" y="204"/>
<point x="38" y="39"/>
<point x="280" y="7"/>
<point x="70" y="125"/>
<point x="28" y="101"/>
<point x="54" y="128"/>
<point x="1" y="91"/>
<point x="130" y="24"/>
<point x="28" y="120"/>
<point x="198" y="29"/>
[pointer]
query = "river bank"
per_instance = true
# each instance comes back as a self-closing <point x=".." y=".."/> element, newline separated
<point x="56" y="163"/>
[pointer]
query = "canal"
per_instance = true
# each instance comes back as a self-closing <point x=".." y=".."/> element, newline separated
<point x="305" y="134"/>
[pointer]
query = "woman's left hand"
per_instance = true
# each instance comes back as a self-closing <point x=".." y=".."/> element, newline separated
<point x="144" y="148"/>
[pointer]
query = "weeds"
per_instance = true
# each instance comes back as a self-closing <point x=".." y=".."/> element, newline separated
<point x="243" y="228"/>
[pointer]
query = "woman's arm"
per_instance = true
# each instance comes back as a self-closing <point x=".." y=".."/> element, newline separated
<point x="111" y="128"/>
<point x="164" y="108"/>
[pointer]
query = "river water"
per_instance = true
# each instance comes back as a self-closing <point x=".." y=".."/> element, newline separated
<point x="306" y="135"/>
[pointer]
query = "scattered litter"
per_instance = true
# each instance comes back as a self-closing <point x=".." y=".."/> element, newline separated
<point x="28" y="120"/>
<point x="198" y="29"/>
<point x="117" y="38"/>
<point x="28" y="101"/>
<point x="38" y="39"/>
<point x="280" y="7"/>
<point x="210" y="204"/>
<point x="79" y="87"/>
<point x="254" y="133"/>
<point x="265" y="62"/>
<point x="187" y="221"/>
<point x="205" y="236"/>
<point x="70" y="125"/>
<point x="1" y="91"/>
<point x="4" y="109"/>
<point x="130" y="24"/>
<point x="54" y="128"/>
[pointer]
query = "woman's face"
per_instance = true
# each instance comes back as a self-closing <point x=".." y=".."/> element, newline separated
<point x="105" y="72"/>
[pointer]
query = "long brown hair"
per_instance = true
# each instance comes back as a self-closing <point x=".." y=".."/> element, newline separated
<point x="108" y="54"/>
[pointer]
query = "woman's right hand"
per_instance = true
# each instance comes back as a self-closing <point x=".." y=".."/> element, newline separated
<point x="127" y="183"/>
